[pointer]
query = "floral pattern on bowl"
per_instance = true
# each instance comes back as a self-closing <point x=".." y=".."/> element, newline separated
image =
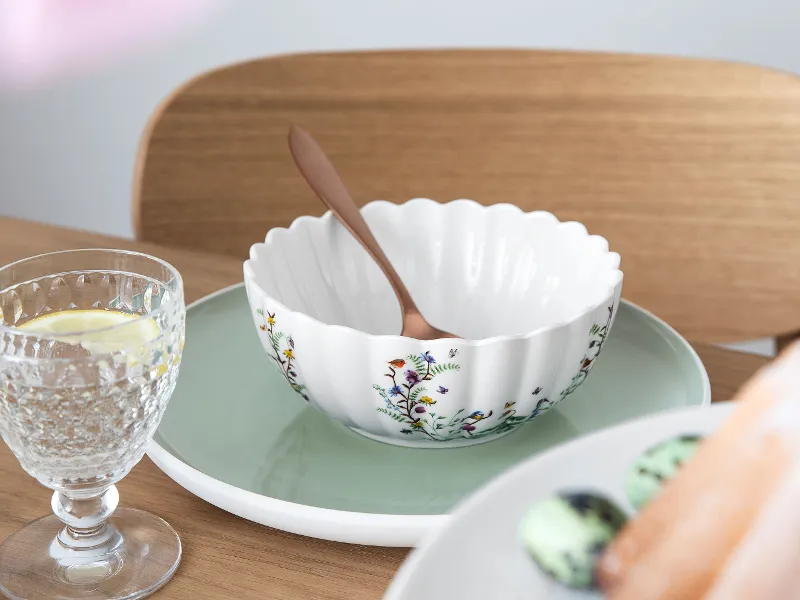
<point x="409" y="402"/>
<point x="598" y="335"/>
<point x="282" y="358"/>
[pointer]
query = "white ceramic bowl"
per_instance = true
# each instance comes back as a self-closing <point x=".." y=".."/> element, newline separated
<point x="534" y="299"/>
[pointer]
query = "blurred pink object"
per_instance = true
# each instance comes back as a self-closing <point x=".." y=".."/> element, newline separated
<point x="44" y="40"/>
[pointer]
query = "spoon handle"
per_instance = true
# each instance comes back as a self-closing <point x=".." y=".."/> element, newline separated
<point x="320" y="174"/>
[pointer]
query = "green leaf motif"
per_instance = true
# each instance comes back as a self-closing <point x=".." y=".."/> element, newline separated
<point x="397" y="417"/>
<point x="443" y="368"/>
<point x="419" y="364"/>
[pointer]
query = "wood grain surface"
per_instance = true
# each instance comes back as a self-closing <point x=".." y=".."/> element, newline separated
<point x="688" y="167"/>
<point x="226" y="557"/>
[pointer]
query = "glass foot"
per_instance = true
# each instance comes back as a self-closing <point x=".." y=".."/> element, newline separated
<point x="138" y="554"/>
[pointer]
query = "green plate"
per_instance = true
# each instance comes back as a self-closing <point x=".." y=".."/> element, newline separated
<point x="236" y="435"/>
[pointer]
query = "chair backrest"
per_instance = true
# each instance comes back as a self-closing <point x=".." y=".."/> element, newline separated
<point x="689" y="167"/>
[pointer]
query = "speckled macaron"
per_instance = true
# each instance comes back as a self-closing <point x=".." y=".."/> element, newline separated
<point x="653" y="468"/>
<point x="566" y="534"/>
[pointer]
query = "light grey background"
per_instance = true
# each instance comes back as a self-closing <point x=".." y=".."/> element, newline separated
<point x="67" y="153"/>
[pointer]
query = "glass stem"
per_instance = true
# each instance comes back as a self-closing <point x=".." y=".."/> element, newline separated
<point x="85" y="514"/>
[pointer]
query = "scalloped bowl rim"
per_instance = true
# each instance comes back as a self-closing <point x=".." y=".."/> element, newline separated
<point x="250" y="275"/>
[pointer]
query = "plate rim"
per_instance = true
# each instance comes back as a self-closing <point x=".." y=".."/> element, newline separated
<point x="374" y="529"/>
<point x="404" y="574"/>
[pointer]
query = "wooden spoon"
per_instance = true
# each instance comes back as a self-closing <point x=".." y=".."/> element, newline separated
<point x="326" y="183"/>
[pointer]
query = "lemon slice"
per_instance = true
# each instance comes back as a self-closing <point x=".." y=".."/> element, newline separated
<point x="129" y="331"/>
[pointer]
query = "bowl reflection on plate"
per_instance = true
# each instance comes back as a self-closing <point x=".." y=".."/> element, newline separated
<point x="535" y="299"/>
<point x="372" y="477"/>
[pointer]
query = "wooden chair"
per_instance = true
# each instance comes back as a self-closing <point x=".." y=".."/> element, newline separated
<point x="691" y="168"/>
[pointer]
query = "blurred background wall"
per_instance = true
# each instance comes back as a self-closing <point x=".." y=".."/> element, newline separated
<point x="67" y="152"/>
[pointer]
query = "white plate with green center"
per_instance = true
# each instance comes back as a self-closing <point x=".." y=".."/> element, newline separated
<point x="237" y="436"/>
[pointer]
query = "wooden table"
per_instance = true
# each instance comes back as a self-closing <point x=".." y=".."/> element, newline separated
<point x="228" y="557"/>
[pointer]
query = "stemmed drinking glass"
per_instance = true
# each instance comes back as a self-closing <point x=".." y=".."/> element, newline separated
<point x="90" y="345"/>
